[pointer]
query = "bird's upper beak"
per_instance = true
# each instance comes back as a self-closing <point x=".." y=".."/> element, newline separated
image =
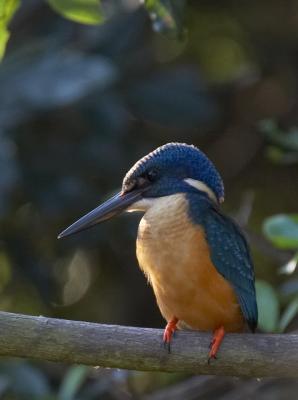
<point x="114" y="206"/>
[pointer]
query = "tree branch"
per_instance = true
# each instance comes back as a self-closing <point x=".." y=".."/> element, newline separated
<point x="141" y="348"/>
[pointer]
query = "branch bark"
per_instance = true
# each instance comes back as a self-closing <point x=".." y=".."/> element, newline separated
<point x="114" y="346"/>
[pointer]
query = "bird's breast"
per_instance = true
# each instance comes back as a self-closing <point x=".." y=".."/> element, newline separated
<point x="174" y="255"/>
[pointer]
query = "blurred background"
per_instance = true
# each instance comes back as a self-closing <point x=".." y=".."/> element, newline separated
<point x="87" y="88"/>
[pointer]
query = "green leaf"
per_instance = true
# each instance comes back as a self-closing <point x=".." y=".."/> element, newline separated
<point x="280" y="156"/>
<point x="268" y="306"/>
<point x="291" y="139"/>
<point x="72" y="382"/>
<point x="290" y="267"/>
<point x="7" y="10"/>
<point x="287" y="140"/>
<point x="84" y="11"/>
<point x="282" y="230"/>
<point x="166" y="16"/>
<point x="289" y="313"/>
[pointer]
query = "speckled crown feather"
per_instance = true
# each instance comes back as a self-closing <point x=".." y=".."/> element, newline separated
<point x="185" y="161"/>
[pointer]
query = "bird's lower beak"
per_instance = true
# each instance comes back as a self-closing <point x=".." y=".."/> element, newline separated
<point x="114" y="206"/>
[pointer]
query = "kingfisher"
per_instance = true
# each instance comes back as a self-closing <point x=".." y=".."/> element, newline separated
<point x="196" y="259"/>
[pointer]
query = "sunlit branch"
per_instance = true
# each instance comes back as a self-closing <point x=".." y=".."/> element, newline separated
<point x="141" y="348"/>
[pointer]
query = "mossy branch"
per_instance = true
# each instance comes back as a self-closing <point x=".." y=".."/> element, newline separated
<point x="250" y="355"/>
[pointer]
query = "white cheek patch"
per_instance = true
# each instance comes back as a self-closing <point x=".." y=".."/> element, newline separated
<point x="146" y="203"/>
<point x="202" y="187"/>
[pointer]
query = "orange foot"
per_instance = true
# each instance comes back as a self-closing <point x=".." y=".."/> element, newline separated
<point x="169" y="332"/>
<point x="218" y="336"/>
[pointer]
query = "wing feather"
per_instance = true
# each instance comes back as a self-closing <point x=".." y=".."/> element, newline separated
<point x="229" y="253"/>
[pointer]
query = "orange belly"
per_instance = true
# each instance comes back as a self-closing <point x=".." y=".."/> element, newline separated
<point x="175" y="256"/>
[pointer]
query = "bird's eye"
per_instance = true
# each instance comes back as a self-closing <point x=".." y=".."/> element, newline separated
<point x="152" y="174"/>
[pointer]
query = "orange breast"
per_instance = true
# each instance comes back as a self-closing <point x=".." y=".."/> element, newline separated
<point x="175" y="256"/>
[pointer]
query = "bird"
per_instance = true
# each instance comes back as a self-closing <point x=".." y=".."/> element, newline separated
<point x="195" y="257"/>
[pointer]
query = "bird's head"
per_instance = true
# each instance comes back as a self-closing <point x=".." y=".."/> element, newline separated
<point x="172" y="168"/>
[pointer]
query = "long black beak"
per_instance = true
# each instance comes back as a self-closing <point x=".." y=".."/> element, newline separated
<point x="114" y="206"/>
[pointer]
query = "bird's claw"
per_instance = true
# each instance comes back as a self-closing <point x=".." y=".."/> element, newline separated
<point x="167" y="345"/>
<point x="211" y="357"/>
<point x="169" y="332"/>
<point x="211" y="343"/>
<point x="215" y="343"/>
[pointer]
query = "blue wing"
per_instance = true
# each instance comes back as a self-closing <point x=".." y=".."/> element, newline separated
<point x="230" y="254"/>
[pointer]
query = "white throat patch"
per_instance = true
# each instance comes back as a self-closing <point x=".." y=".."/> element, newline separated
<point x="142" y="205"/>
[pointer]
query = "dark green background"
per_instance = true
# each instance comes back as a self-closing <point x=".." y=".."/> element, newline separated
<point x="80" y="104"/>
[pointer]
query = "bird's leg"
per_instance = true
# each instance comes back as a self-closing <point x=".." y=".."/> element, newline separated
<point x="218" y="336"/>
<point x="169" y="332"/>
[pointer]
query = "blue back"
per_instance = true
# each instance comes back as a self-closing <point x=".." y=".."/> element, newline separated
<point x="229" y="252"/>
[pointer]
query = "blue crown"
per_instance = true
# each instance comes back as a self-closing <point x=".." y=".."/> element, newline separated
<point x="181" y="161"/>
